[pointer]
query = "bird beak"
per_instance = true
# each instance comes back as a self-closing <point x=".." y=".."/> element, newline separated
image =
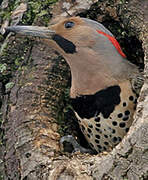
<point x="36" y="31"/>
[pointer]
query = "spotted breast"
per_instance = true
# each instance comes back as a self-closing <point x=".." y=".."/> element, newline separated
<point x="106" y="116"/>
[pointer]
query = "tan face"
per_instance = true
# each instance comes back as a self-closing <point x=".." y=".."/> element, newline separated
<point x="75" y="30"/>
<point x="64" y="26"/>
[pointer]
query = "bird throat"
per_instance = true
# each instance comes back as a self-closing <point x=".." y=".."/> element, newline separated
<point x="89" y="75"/>
<point x="87" y="83"/>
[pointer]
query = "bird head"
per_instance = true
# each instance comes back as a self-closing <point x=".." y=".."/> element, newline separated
<point x="93" y="54"/>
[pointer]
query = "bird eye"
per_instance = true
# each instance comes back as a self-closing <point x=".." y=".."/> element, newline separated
<point x="69" y="24"/>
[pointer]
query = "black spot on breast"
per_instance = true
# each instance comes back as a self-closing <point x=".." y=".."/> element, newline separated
<point x="113" y="131"/>
<point x="99" y="130"/>
<point x="114" y="139"/>
<point x="88" y="135"/>
<point x="125" y="118"/>
<point x="106" y="143"/>
<point x="89" y="130"/>
<point x="83" y="128"/>
<point x="100" y="147"/>
<point x="124" y="104"/>
<point x="98" y="125"/>
<point x="120" y="115"/>
<point x="106" y="136"/>
<point x="122" y="124"/>
<point x="114" y="123"/>
<point x="90" y="126"/>
<point x="103" y="102"/>
<point x="119" y="139"/>
<point x="131" y="98"/>
<point x="65" y="44"/>
<point x="127" y="129"/>
<point x="127" y="112"/>
<point x="104" y="148"/>
<point x="97" y="141"/>
<point x="97" y="119"/>
<point x="97" y="136"/>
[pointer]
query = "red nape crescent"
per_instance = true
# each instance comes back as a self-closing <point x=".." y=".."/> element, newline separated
<point x="114" y="42"/>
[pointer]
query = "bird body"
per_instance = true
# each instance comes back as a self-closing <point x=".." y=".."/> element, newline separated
<point x="106" y="116"/>
<point x="102" y="94"/>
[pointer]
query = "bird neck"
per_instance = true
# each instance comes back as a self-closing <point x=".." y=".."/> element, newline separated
<point x="89" y="74"/>
<point x="87" y="83"/>
<point x="93" y="71"/>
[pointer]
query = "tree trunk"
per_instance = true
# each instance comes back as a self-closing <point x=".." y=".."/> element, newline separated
<point x="33" y="84"/>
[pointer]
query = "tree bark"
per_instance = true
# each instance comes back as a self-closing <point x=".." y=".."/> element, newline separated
<point x="32" y="106"/>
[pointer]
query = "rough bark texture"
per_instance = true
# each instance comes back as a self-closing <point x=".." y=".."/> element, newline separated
<point x="32" y="106"/>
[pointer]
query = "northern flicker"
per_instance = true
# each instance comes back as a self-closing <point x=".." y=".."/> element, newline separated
<point x="103" y="90"/>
